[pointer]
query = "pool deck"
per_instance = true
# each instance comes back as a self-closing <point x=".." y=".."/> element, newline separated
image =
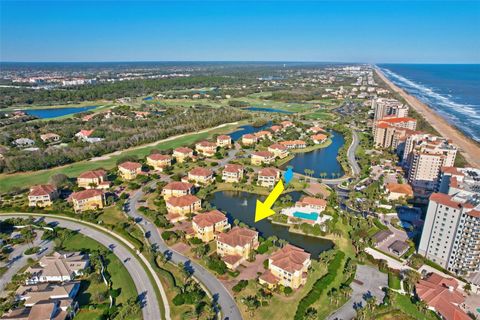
<point x="322" y="218"/>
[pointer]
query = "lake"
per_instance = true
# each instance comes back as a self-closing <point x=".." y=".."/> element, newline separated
<point x="237" y="135"/>
<point x="56" y="112"/>
<point x="267" y="110"/>
<point x="241" y="206"/>
<point x="320" y="160"/>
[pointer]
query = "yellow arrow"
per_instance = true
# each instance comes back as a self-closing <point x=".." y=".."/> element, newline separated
<point x="264" y="209"/>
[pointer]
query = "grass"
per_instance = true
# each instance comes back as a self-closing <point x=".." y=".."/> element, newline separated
<point x="85" y="314"/>
<point x="22" y="180"/>
<point x="119" y="274"/>
<point x="277" y="307"/>
<point x="393" y="281"/>
<point x="319" y="115"/>
<point x="408" y="307"/>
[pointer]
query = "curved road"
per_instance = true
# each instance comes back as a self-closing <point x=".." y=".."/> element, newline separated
<point x="352" y="161"/>
<point x="145" y="289"/>
<point x="228" y="306"/>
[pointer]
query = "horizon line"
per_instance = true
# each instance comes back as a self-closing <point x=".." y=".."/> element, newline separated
<point x="243" y="61"/>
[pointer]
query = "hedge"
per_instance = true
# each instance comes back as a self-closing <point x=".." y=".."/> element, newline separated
<point x="320" y="285"/>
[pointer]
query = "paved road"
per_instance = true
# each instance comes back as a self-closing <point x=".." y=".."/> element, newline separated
<point x="228" y="306"/>
<point x="145" y="289"/>
<point x="17" y="260"/>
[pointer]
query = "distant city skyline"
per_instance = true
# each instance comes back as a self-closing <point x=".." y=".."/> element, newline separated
<point x="343" y="31"/>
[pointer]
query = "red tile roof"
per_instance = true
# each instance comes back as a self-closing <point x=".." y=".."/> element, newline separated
<point x="183" y="201"/>
<point x="289" y="258"/>
<point x="445" y="199"/>
<point x="223" y="137"/>
<point x="383" y="125"/>
<point x="178" y="185"/>
<point x="184" y="150"/>
<point x="263" y="154"/>
<point x="316" y="129"/>
<point x="268" y="277"/>
<point x="293" y="142"/>
<point x="202" y="172"/>
<point x="286" y="123"/>
<point x="231" y="259"/>
<point x="159" y="157"/>
<point x="263" y="133"/>
<point x="397" y="120"/>
<point x="319" y="137"/>
<point x="400" y="188"/>
<point x="248" y="136"/>
<point x="452" y="170"/>
<point x="238" y="237"/>
<point x="313" y="201"/>
<point x="209" y="218"/>
<point x="129" y="165"/>
<point x="474" y="213"/>
<point x="42" y="190"/>
<point x="206" y="144"/>
<point x="93" y="174"/>
<point x="275" y="128"/>
<point x="86" y="194"/>
<point x="86" y="133"/>
<point x="435" y="292"/>
<point x="268" y="172"/>
<point x="277" y="146"/>
<point x="233" y="168"/>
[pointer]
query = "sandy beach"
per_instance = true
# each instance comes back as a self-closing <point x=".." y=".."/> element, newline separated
<point x="469" y="148"/>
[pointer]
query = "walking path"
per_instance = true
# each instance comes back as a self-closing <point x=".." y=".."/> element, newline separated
<point x="119" y="246"/>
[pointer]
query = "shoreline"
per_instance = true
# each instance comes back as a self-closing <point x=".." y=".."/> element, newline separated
<point x="466" y="146"/>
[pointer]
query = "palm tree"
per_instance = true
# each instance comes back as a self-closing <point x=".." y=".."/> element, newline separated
<point x="252" y="303"/>
<point x="311" y="314"/>
<point x="411" y="277"/>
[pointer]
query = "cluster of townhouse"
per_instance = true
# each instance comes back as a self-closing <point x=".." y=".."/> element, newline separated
<point x="50" y="290"/>
<point x="422" y="154"/>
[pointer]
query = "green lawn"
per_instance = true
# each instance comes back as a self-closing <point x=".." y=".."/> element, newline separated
<point x="22" y="180"/>
<point x="319" y="115"/>
<point x="119" y="275"/>
<point x="280" y="306"/>
<point x="393" y="281"/>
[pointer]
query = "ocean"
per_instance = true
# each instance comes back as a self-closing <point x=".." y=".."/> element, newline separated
<point x="453" y="90"/>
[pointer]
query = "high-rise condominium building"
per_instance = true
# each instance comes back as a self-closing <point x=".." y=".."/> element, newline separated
<point x="384" y="107"/>
<point x="451" y="233"/>
<point x="424" y="156"/>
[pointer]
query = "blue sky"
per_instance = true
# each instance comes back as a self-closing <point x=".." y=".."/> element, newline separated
<point x="358" y="31"/>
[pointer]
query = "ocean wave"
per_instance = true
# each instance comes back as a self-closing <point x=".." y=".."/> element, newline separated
<point x="464" y="116"/>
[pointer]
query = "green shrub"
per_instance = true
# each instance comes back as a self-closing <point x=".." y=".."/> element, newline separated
<point x="319" y="286"/>
<point x="242" y="284"/>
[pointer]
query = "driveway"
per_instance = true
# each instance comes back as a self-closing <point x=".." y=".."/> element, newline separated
<point x="17" y="260"/>
<point x="228" y="306"/>
<point x="145" y="289"/>
<point x="368" y="283"/>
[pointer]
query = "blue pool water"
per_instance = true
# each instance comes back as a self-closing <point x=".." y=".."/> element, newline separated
<point x="147" y="98"/>
<point x="307" y="216"/>
<point x="56" y="112"/>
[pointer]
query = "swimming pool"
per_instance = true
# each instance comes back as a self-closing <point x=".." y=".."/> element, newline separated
<point x="307" y="216"/>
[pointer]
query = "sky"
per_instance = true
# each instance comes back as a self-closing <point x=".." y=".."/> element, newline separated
<point x="340" y="31"/>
